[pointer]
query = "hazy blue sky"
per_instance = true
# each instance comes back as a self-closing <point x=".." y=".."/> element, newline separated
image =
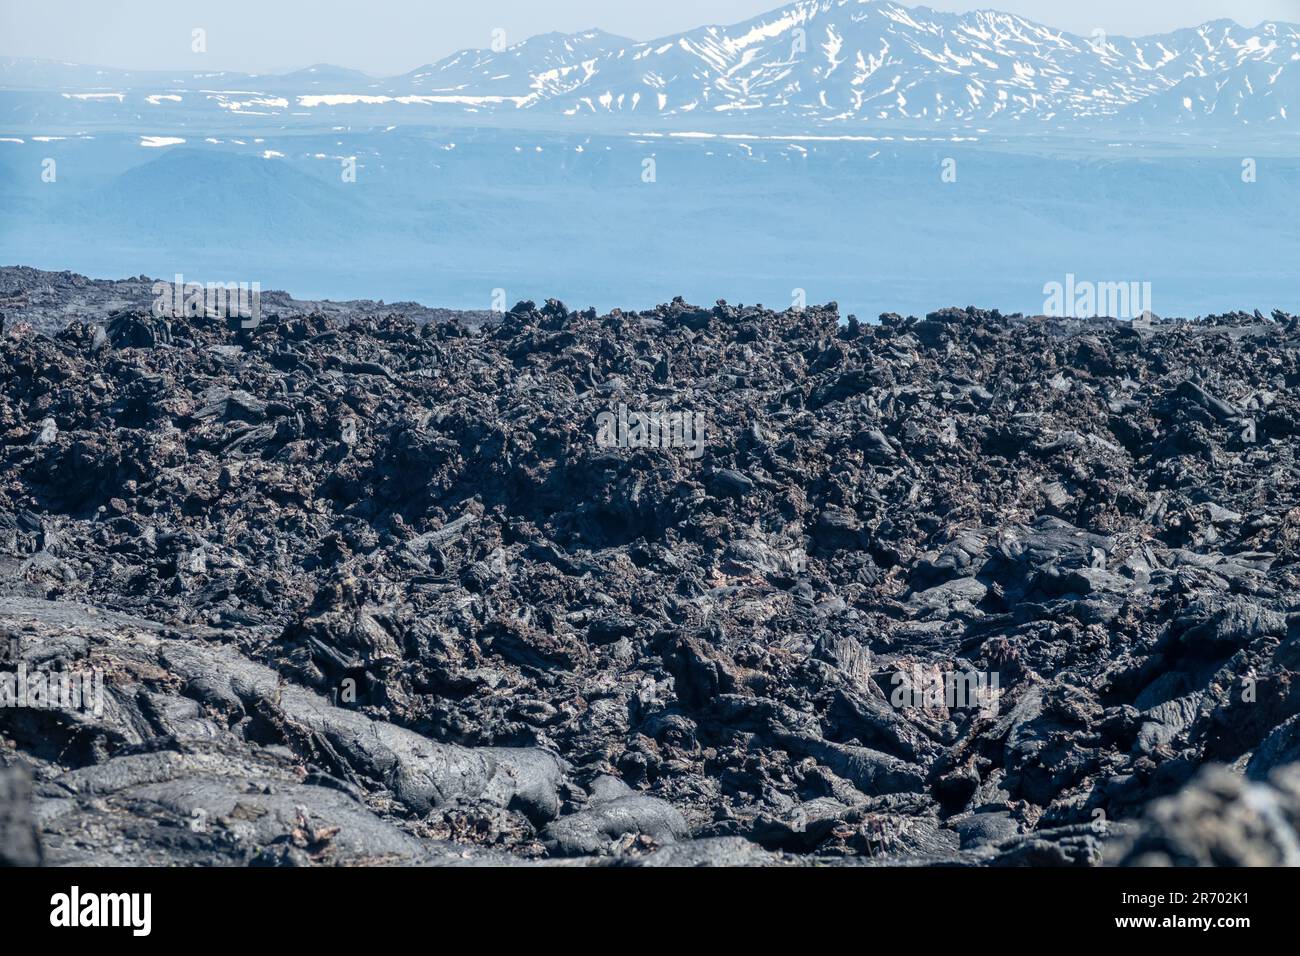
<point x="392" y="36"/>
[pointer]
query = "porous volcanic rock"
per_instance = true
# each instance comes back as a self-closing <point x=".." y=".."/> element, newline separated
<point x="375" y="591"/>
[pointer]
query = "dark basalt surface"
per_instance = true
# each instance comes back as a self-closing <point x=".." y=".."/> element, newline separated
<point x="372" y="592"/>
<point x="48" y="301"/>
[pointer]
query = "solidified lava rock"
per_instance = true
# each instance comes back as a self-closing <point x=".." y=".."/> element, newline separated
<point x="1220" y="819"/>
<point x="686" y="586"/>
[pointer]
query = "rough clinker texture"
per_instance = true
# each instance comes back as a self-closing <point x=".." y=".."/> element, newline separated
<point x="381" y="592"/>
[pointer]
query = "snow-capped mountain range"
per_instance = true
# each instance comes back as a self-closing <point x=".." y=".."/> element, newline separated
<point x="877" y="60"/>
<point x="843" y="63"/>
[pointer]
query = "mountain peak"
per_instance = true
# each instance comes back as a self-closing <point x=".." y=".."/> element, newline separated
<point x="840" y="64"/>
<point x="881" y="62"/>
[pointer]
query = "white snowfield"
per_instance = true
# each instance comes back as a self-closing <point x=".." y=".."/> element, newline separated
<point x="351" y="99"/>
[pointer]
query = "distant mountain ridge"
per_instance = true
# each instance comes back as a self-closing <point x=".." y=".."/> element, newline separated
<point x="834" y="60"/>
<point x="842" y="63"/>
